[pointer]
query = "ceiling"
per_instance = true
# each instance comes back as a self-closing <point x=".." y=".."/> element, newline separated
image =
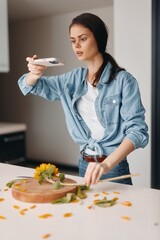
<point x="30" y="9"/>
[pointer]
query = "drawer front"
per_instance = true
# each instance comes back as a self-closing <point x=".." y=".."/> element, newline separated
<point x="12" y="147"/>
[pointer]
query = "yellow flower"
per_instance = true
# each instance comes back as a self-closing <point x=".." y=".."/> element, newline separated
<point x="56" y="171"/>
<point x="45" y="168"/>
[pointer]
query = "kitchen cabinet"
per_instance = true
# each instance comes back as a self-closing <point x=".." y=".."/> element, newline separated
<point x="12" y="143"/>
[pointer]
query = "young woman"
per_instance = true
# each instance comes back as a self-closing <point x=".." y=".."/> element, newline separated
<point x="102" y="102"/>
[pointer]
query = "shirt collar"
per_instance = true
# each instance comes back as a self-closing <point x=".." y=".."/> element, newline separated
<point x="104" y="77"/>
<point x="105" y="74"/>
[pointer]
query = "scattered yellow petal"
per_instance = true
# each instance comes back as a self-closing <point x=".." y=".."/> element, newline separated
<point x="46" y="215"/>
<point x="23" y="190"/>
<point x="75" y="201"/>
<point x="33" y="206"/>
<point x="105" y="193"/>
<point x="46" y="236"/>
<point x="96" y="194"/>
<point x="17" y="185"/>
<point x="16" y="206"/>
<point x="116" y="192"/>
<point x="1" y="199"/>
<point x="69" y="214"/>
<point x="25" y="210"/>
<point x="126" y="218"/>
<point x="23" y="181"/>
<point x="2" y="217"/>
<point x="22" y="212"/>
<point x="6" y="189"/>
<point x="90" y="207"/>
<point x="95" y="201"/>
<point x="126" y="203"/>
<point x="115" y="198"/>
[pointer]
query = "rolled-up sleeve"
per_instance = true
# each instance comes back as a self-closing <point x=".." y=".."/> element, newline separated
<point x="46" y="87"/>
<point x="133" y="113"/>
<point x="25" y="89"/>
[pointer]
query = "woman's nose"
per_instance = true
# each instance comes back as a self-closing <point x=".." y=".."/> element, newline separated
<point x="77" y="45"/>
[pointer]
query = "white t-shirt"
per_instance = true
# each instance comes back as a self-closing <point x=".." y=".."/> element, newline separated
<point x="86" y="108"/>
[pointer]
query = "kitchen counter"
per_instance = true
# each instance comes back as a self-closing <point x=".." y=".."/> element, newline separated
<point x="6" y="128"/>
<point x="21" y="220"/>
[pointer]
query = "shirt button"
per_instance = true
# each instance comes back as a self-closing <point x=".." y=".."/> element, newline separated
<point x="114" y="101"/>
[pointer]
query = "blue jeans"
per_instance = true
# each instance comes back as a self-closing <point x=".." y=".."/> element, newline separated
<point x="121" y="169"/>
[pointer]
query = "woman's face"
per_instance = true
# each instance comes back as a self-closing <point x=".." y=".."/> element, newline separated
<point x="83" y="42"/>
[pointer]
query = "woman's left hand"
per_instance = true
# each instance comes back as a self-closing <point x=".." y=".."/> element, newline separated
<point x="94" y="172"/>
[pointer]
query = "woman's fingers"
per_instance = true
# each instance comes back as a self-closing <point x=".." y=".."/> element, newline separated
<point x="97" y="173"/>
<point x="31" y="59"/>
<point x="94" y="172"/>
<point x="35" y="69"/>
<point x="88" y="174"/>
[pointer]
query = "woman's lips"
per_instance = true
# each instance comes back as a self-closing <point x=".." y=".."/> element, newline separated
<point x="79" y="54"/>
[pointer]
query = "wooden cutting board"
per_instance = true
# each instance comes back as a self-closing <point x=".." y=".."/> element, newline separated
<point x="29" y="190"/>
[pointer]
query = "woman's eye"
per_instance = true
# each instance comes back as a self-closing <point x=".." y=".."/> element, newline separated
<point x="72" y="41"/>
<point x="83" y="39"/>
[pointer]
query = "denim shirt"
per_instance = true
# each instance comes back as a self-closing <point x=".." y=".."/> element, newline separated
<point x="118" y="107"/>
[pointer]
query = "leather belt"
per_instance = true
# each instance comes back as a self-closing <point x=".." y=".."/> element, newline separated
<point x="93" y="158"/>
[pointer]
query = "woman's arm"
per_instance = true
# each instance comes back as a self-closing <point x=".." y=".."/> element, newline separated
<point x="96" y="170"/>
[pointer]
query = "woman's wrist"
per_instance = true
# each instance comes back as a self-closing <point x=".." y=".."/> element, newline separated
<point x="31" y="79"/>
<point x="105" y="167"/>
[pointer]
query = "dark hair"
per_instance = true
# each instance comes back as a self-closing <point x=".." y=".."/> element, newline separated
<point x="100" y="32"/>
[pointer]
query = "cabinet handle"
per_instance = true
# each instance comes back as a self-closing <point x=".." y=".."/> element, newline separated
<point x="13" y="138"/>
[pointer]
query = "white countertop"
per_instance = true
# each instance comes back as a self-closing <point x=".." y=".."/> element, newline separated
<point x="85" y="224"/>
<point x="6" y="128"/>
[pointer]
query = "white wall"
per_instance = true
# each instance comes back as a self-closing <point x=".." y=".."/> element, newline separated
<point x="132" y="49"/>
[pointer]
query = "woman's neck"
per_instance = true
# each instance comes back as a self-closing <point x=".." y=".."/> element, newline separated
<point x="93" y="66"/>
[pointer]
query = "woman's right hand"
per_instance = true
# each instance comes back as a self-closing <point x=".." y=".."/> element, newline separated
<point x="35" y="71"/>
